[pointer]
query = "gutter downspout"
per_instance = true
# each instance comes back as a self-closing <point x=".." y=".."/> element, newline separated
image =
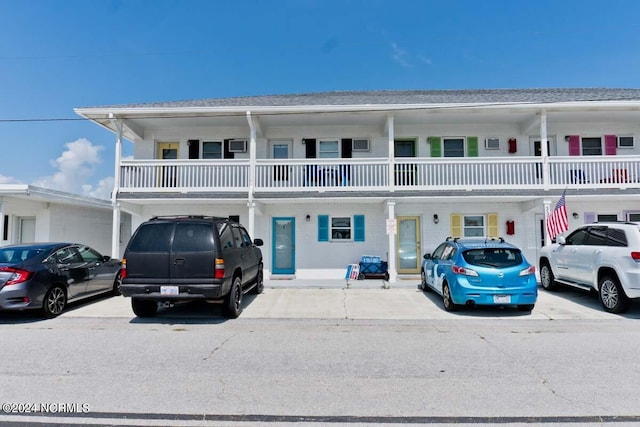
<point x="252" y="174"/>
<point x="115" y="224"/>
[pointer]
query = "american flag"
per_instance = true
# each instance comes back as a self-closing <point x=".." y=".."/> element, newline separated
<point x="557" y="221"/>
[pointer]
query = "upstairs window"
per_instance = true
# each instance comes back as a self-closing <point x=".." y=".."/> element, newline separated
<point x="453" y="147"/>
<point x="328" y="150"/>
<point x="591" y="146"/>
<point x="212" y="150"/>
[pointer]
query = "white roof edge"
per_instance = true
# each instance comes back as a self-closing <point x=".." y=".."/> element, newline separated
<point x="53" y="195"/>
<point x="103" y="112"/>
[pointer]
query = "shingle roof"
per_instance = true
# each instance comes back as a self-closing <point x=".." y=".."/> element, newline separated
<point x="404" y="97"/>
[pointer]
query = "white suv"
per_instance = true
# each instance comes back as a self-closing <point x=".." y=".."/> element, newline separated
<point x="603" y="256"/>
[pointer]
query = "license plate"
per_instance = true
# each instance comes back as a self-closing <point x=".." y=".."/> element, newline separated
<point x="502" y="299"/>
<point x="168" y="290"/>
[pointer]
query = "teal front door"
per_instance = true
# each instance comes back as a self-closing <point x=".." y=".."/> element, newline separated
<point x="283" y="258"/>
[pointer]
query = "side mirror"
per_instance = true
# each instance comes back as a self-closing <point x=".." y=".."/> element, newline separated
<point x="561" y="240"/>
<point x="106" y="258"/>
<point x="258" y="242"/>
<point x="427" y="256"/>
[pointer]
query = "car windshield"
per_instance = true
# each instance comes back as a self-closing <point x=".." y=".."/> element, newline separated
<point x="16" y="255"/>
<point x="493" y="257"/>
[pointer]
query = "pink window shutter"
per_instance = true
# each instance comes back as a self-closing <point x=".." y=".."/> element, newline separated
<point x="610" y="145"/>
<point x="574" y="145"/>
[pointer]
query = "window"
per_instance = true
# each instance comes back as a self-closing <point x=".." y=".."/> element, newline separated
<point x="604" y="218"/>
<point x="246" y="240"/>
<point x="193" y="237"/>
<point x="616" y="237"/>
<point x="437" y="254"/>
<point x="152" y="238"/>
<point x="453" y="147"/>
<point x="341" y="228"/>
<point x="89" y="255"/>
<point x="578" y="237"/>
<point x="626" y="142"/>
<point x="473" y="226"/>
<point x="591" y="146"/>
<point x="597" y="236"/>
<point x="212" y="150"/>
<point x="492" y="143"/>
<point x="360" y="145"/>
<point x="226" y="238"/>
<point x="328" y="150"/>
<point x="67" y="256"/>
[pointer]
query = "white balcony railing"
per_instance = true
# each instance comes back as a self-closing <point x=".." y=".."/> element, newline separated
<point x="184" y="175"/>
<point x="379" y="174"/>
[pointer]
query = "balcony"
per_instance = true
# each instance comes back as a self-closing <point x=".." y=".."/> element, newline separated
<point x="379" y="174"/>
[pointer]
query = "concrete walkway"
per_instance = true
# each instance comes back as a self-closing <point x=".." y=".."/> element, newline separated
<point x="367" y="299"/>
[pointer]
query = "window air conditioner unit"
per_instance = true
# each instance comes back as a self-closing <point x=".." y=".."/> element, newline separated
<point x="492" y="143"/>
<point x="238" y="146"/>
<point x="360" y="145"/>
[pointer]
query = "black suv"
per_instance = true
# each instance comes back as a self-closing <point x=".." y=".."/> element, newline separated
<point x="180" y="258"/>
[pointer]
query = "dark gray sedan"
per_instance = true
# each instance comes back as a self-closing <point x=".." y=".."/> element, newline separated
<point x="45" y="276"/>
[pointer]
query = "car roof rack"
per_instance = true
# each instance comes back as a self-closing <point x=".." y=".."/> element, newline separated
<point x="500" y="239"/>
<point x="208" y="217"/>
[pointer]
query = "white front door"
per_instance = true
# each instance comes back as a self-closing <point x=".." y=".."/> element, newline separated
<point x="27" y="230"/>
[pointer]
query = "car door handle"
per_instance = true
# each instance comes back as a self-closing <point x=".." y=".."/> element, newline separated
<point x="178" y="261"/>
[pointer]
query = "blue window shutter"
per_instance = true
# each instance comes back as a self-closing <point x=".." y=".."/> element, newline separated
<point x="358" y="228"/>
<point x="323" y="228"/>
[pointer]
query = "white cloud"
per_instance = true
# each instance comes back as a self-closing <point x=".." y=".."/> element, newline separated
<point x="103" y="189"/>
<point x="8" y="180"/>
<point x="400" y="55"/>
<point x="76" y="165"/>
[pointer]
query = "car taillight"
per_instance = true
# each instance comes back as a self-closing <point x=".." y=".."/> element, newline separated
<point x="464" y="271"/>
<point x="218" y="272"/>
<point x="528" y="271"/>
<point x="123" y="269"/>
<point x="635" y="256"/>
<point x="18" y="275"/>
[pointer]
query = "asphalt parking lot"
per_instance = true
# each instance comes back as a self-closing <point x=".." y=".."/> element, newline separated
<point x="362" y="300"/>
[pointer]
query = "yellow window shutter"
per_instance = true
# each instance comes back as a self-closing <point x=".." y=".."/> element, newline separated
<point x="492" y="225"/>
<point x="456" y="225"/>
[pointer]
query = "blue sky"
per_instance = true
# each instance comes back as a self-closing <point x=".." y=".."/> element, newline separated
<point x="58" y="55"/>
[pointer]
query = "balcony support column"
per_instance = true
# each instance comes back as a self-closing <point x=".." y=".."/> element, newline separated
<point x="544" y="152"/>
<point x="115" y="205"/>
<point x="391" y="151"/>
<point x="391" y="257"/>
<point x="252" y="172"/>
<point x="547" y="212"/>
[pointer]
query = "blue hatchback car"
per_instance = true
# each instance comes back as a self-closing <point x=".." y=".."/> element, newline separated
<point x="480" y="272"/>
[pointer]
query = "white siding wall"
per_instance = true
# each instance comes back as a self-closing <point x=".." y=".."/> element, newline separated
<point x="82" y="225"/>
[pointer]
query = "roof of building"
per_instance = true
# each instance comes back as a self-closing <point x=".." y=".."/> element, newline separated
<point x="405" y="97"/>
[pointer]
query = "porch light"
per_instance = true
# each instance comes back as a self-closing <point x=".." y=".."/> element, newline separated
<point x="435" y="219"/>
<point x="308" y="217"/>
<point x="575" y="215"/>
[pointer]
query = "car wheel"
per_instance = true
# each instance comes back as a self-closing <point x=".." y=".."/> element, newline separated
<point x="423" y="282"/>
<point x="259" y="286"/>
<point x="526" y="307"/>
<point x="55" y="301"/>
<point x="116" y="285"/>
<point x="144" y="307"/>
<point x="547" y="280"/>
<point x="612" y="295"/>
<point x="233" y="301"/>
<point x="361" y="276"/>
<point x="448" y="303"/>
